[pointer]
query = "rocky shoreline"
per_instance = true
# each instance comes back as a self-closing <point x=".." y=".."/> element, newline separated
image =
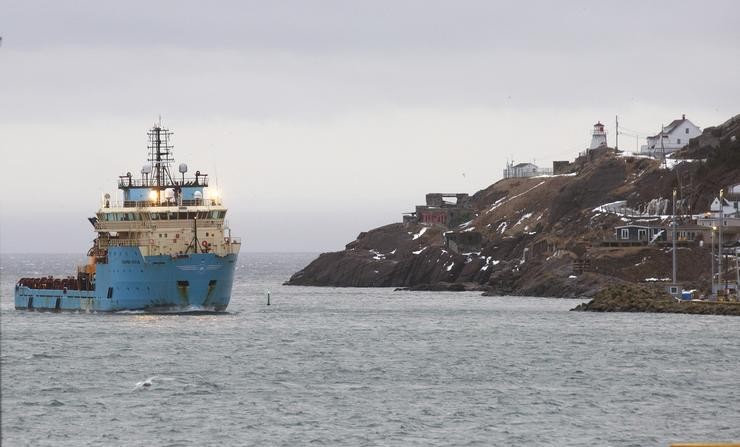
<point x="636" y="298"/>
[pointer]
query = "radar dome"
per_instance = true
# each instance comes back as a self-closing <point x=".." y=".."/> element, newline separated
<point x="146" y="169"/>
<point x="197" y="195"/>
<point x="183" y="168"/>
<point x="169" y="193"/>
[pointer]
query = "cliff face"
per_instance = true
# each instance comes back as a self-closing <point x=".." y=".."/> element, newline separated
<point x="393" y="255"/>
<point x="542" y="235"/>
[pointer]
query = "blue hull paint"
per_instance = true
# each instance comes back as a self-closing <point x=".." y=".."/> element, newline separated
<point x="129" y="281"/>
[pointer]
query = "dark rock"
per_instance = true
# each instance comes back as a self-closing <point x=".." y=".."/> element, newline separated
<point x="637" y="298"/>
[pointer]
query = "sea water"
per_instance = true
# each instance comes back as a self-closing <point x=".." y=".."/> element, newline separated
<point x="347" y="366"/>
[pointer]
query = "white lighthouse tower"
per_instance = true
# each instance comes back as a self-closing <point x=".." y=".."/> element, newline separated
<point x="599" y="137"/>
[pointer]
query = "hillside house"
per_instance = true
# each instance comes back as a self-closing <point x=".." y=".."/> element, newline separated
<point x="730" y="214"/>
<point x="640" y="233"/>
<point x="689" y="232"/>
<point x="671" y="138"/>
<point x="524" y="170"/>
<point x="731" y="205"/>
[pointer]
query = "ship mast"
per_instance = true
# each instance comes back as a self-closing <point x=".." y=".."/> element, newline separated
<point x="160" y="157"/>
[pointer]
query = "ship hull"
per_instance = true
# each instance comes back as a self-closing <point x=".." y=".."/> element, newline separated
<point x="129" y="281"/>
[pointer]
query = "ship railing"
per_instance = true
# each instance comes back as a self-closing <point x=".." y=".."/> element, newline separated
<point x="105" y="243"/>
<point x="129" y="182"/>
<point x="109" y="225"/>
<point x="150" y="204"/>
<point x="135" y="242"/>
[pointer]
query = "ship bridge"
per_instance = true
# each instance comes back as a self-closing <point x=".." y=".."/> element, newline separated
<point x="163" y="213"/>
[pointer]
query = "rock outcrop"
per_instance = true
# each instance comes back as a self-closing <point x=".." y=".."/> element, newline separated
<point x="639" y="298"/>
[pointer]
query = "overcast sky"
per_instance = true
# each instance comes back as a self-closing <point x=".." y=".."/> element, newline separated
<point x="322" y="119"/>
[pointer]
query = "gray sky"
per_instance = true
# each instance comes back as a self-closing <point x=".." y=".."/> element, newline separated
<point x="321" y="119"/>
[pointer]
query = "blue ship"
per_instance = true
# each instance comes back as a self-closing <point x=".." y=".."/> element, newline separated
<point x="164" y="247"/>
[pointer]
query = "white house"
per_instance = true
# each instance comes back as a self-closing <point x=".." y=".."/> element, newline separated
<point x="731" y="205"/>
<point x="730" y="211"/>
<point x="524" y="170"/>
<point x="672" y="138"/>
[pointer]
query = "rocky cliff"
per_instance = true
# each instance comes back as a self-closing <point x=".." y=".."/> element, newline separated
<point x="545" y="236"/>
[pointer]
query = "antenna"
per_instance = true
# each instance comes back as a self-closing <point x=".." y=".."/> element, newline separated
<point x="160" y="155"/>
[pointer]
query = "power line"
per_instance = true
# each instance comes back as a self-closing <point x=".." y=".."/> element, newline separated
<point x="637" y="132"/>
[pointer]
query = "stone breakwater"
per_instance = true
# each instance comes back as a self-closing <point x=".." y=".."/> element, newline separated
<point x="638" y="298"/>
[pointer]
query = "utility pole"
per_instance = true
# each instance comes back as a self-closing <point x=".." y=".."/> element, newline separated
<point x="721" y="218"/>
<point x="662" y="148"/>
<point x="714" y="230"/>
<point x="616" y="143"/>
<point x="737" y="271"/>
<point x="674" y="237"/>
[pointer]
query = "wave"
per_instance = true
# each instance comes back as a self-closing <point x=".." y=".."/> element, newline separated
<point x="149" y="383"/>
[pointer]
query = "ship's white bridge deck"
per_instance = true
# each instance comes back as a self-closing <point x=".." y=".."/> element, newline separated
<point x="165" y="229"/>
<point x="155" y="213"/>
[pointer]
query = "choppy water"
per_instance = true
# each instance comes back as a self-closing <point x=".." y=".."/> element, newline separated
<point x="363" y="367"/>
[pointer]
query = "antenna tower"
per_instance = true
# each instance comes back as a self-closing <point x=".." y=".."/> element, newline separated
<point x="160" y="157"/>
